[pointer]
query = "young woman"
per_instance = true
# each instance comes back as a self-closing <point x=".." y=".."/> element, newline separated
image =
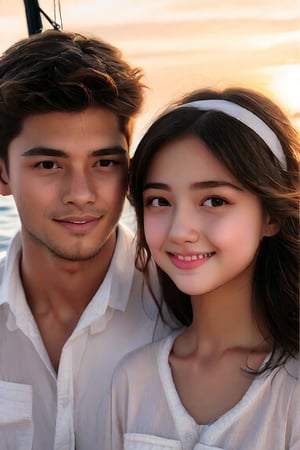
<point x="215" y="185"/>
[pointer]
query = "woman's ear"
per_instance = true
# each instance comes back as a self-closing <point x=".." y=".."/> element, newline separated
<point x="4" y="179"/>
<point x="271" y="227"/>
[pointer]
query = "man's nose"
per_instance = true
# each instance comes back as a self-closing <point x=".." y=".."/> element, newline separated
<point x="78" y="188"/>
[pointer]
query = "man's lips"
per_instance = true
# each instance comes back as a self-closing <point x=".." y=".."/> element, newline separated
<point x="79" y="224"/>
<point x="77" y="219"/>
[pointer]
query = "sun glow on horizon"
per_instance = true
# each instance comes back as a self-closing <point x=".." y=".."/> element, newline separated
<point x="286" y="86"/>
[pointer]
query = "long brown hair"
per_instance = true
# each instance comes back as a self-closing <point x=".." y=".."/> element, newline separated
<point x="248" y="158"/>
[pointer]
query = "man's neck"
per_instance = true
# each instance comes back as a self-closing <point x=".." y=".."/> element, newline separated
<point x="55" y="282"/>
<point x="58" y="291"/>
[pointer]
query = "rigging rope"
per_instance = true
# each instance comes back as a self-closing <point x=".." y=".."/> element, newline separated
<point x="57" y="6"/>
<point x="33" y="16"/>
<point x="54" y="23"/>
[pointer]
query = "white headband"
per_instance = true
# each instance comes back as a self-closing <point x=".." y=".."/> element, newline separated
<point x="247" y="118"/>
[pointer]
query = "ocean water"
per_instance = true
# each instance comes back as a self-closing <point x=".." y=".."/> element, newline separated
<point x="9" y="220"/>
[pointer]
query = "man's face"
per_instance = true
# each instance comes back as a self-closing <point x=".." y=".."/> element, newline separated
<point x="68" y="176"/>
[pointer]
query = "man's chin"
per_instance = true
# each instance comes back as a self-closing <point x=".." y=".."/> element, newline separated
<point x="75" y="254"/>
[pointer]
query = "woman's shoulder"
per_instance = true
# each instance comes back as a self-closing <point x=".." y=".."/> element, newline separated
<point x="285" y="380"/>
<point x="292" y="367"/>
<point x="290" y="371"/>
<point x="143" y="360"/>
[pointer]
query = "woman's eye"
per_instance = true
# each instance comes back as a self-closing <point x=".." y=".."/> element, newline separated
<point x="47" y="165"/>
<point x="214" y="201"/>
<point x="157" y="201"/>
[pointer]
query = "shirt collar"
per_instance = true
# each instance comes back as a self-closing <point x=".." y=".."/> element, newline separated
<point x="11" y="282"/>
<point x="122" y="268"/>
<point x="114" y="290"/>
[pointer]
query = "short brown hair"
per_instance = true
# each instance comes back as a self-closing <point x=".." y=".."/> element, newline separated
<point x="64" y="71"/>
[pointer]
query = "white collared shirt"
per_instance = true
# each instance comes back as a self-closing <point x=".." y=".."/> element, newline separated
<point x="146" y="411"/>
<point x="42" y="410"/>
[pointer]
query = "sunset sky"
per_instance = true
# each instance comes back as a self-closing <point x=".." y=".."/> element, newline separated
<point x="187" y="44"/>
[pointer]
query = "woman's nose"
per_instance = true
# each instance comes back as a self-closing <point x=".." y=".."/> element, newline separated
<point x="185" y="225"/>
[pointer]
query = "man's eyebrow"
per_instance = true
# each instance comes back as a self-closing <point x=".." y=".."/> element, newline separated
<point x="197" y="185"/>
<point x="53" y="152"/>
<point x="116" y="150"/>
<point x="45" y="151"/>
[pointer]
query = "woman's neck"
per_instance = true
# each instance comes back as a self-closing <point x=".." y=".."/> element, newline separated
<point x="224" y="320"/>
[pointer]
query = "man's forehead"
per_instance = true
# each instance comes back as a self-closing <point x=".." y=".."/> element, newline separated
<point x="91" y="130"/>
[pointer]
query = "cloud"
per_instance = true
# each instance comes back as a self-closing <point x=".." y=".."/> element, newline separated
<point x="181" y="44"/>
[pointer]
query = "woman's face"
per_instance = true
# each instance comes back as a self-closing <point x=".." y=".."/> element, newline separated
<point x="202" y="226"/>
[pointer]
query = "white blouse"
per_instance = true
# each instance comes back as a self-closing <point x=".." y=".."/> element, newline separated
<point x="147" y="414"/>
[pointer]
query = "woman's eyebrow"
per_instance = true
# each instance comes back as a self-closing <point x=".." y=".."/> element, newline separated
<point x="196" y="185"/>
<point x="162" y="186"/>
<point x="214" y="183"/>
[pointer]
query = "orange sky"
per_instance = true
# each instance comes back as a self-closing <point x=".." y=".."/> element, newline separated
<point x="186" y="44"/>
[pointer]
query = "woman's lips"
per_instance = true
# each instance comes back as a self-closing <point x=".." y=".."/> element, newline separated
<point x="190" y="261"/>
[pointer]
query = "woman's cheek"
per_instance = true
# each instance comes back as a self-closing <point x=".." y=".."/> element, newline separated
<point x="155" y="230"/>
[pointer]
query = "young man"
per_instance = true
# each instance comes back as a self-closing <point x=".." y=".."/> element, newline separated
<point x="71" y="302"/>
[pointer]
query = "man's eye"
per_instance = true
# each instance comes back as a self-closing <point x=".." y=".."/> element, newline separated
<point x="214" y="202"/>
<point x="106" y="163"/>
<point x="47" y="165"/>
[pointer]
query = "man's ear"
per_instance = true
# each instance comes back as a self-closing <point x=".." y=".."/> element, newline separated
<point x="271" y="227"/>
<point x="4" y="179"/>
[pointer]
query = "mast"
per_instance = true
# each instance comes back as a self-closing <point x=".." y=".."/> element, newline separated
<point x="33" y="17"/>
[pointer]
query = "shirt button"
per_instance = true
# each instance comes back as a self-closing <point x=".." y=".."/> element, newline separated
<point x="189" y="437"/>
